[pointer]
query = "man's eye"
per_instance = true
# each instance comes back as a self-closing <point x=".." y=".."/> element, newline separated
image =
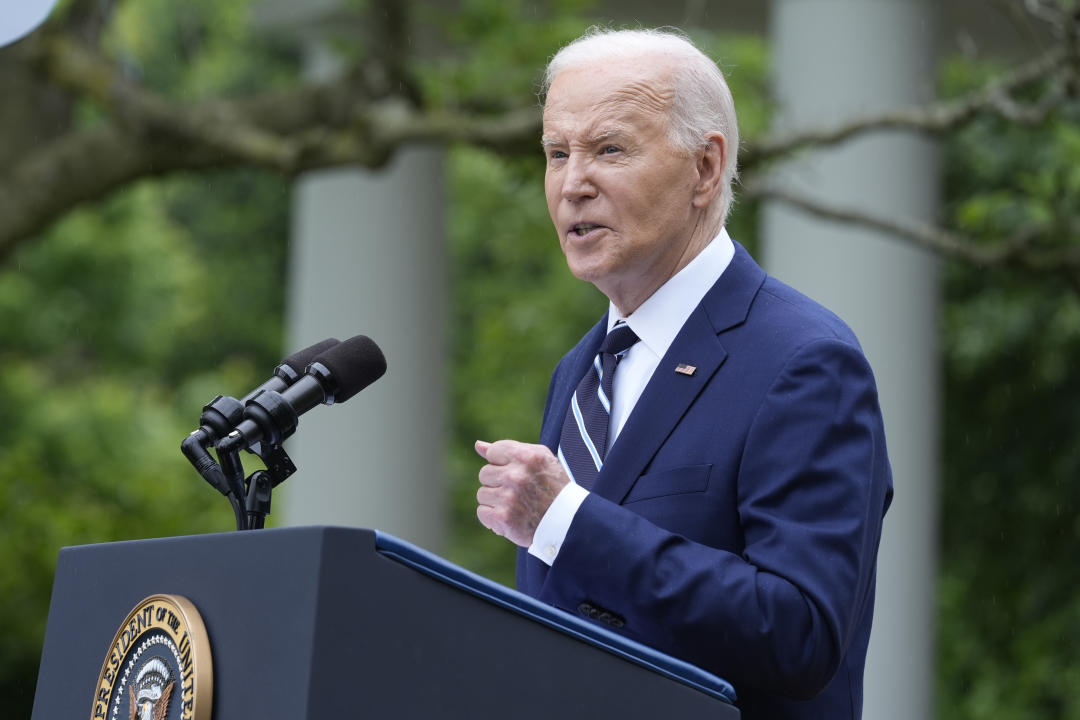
<point x="610" y="149"/>
<point x="557" y="154"/>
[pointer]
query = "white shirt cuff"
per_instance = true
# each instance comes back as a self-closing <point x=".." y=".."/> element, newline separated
<point x="551" y="532"/>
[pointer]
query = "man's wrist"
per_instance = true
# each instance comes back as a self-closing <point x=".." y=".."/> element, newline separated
<point x="555" y="524"/>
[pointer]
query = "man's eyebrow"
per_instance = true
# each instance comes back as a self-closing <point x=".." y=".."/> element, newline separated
<point x="546" y="141"/>
<point x="604" y="136"/>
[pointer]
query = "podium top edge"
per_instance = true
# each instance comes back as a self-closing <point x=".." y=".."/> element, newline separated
<point x="291" y="530"/>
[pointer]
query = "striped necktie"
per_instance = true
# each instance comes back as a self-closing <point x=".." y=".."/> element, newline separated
<point x="583" y="443"/>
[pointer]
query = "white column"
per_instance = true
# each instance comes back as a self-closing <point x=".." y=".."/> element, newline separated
<point x="834" y="59"/>
<point x="367" y="258"/>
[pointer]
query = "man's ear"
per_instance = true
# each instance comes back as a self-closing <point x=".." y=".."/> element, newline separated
<point x="710" y="166"/>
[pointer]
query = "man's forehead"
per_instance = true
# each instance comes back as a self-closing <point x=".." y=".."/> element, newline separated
<point x="597" y="103"/>
<point x="636" y="82"/>
<point x="650" y="96"/>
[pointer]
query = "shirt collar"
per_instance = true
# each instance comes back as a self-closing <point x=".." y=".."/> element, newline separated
<point x="658" y="320"/>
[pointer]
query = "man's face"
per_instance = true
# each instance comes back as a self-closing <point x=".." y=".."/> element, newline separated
<point x="620" y="194"/>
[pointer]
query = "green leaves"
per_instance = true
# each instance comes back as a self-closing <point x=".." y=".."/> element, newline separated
<point x="500" y="48"/>
<point x="1009" y="577"/>
<point x="117" y="325"/>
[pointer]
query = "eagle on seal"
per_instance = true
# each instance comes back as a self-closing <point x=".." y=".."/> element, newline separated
<point x="149" y="695"/>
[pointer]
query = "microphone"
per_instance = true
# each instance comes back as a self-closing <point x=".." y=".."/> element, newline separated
<point x="222" y="414"/>
<point x="291" y="368"/>
<point x="334" y="376"/>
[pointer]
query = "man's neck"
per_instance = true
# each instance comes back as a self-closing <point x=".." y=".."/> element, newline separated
<point x="627" y="303"/>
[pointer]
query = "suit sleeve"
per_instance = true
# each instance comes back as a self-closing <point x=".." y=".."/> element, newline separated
<point x="812" y="487"/>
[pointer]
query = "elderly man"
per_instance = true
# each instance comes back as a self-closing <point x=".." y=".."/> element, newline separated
<point x="712" y="476"/>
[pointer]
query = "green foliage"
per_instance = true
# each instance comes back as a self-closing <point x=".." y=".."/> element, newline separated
<point x="110" y="341"/>
<point x="118" y="323"/>
<point x="502" y="48"/>
<point x="197" y="49"/>
<point x="1010" y="582"/>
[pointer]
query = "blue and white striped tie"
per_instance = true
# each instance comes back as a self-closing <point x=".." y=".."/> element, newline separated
<point x="583" y="443"/>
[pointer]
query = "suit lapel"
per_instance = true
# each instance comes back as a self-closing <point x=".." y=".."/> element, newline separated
<point x="669" y="394"/>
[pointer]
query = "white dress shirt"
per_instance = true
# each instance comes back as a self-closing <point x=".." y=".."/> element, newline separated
<point x="656" y="322"/>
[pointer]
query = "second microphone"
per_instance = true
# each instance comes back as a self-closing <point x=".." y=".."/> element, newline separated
<point x="333" y="376"/>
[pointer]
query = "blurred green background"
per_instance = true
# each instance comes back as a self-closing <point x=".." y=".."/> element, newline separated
<point x="112" y="336"/>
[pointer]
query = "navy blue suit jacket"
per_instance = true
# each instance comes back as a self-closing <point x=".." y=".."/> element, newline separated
<point x="736" y="520"/>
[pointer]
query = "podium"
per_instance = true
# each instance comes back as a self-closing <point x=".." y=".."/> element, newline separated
<point x="328" y="622"/>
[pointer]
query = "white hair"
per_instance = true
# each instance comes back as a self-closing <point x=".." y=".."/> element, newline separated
<point x="702" y="102"/>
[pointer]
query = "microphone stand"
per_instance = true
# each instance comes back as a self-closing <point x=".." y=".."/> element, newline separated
<point x="234" y="471"/>
<point x="260" y="484"/>
<point x="250" y="497"/>
<point x="257" y="502"/>
<point x="257" y="488"/>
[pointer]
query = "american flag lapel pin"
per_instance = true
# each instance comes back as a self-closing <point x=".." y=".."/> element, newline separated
<point x="684" y="369"/>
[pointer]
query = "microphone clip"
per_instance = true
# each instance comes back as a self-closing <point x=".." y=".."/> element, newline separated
<point x="259" y="485"/>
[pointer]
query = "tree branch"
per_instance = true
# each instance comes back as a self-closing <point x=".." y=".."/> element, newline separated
<point x="937" y="118"/>
<point x="1019" y="251"/>
<point x="79" y="69"/>
<point x="360" y="121"/>
<point x="311" y="127"/>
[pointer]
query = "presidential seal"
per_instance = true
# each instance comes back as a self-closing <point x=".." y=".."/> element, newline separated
<point x="158" y="666"/>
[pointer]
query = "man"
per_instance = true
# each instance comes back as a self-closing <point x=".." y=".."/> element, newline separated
<point x="720" y="496"/>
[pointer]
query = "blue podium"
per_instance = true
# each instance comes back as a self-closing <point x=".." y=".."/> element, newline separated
<point x="327" y="622"/>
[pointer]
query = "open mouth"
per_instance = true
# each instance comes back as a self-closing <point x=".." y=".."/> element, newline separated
<point x="583" y="229"/>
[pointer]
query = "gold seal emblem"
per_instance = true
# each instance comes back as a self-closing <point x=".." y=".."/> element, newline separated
<point x="158" y="666"/>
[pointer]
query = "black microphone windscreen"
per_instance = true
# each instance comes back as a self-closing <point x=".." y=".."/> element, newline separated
<point x="354" y="364"/>
<point x="300" y="359"/>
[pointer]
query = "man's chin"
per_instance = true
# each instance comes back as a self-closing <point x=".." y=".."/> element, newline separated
<point x="592" y="272"/>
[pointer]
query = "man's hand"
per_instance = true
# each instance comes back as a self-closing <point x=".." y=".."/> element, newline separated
<point x="516" y="487"/>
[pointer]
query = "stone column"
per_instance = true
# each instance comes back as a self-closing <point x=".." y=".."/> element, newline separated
<point x="367" y="258"/>
<point x="834" y="59"/>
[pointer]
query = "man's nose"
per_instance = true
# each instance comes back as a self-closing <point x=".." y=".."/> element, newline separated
<point x="578" y="183"/>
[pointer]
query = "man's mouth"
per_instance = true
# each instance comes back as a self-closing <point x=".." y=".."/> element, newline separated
<point x="583" y="229"/>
